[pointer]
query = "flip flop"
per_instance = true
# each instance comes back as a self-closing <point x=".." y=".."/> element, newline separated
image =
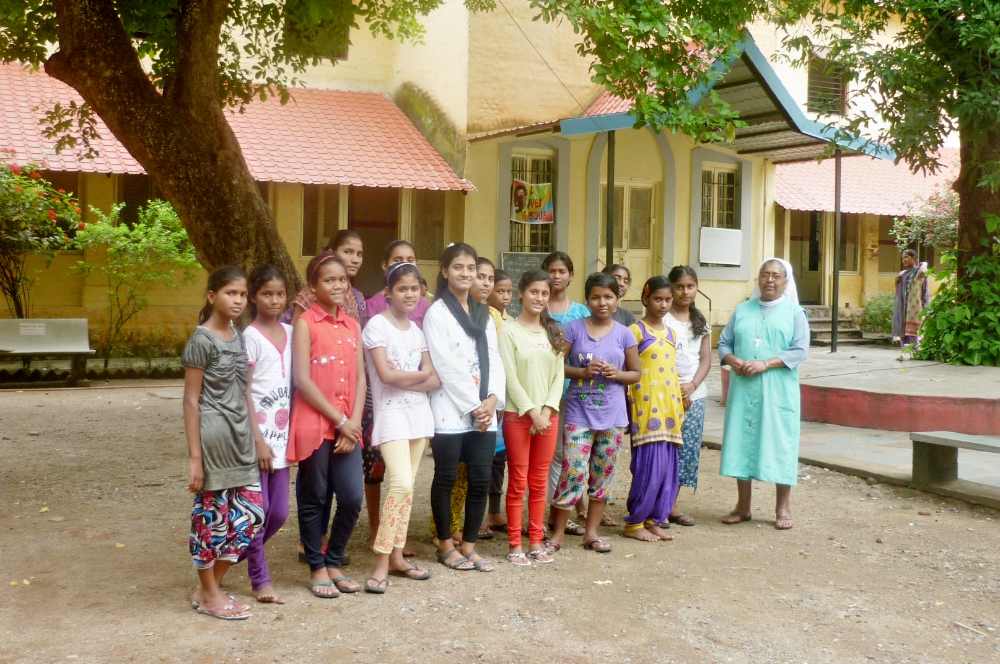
<point x="575" y="529"/>
<point x="454" y="565"/>
<point x="598" y="545"/>
<point x="734" y="513"/>
<point x="378" y="588"/>
<point x="787" y="518"/>
<point x="682" y="520"/>
<point x="518" y="559"/>
<point x="486" y="534"/>
<point x="405" y="573"/>
<point x="217" y="613"/>
<point x="534" y="555"/>
<point x="232" y="600"/>
<point x="312" y="585"/>
<point x="341" y="579"/>
<point x="608" y="521"/>
<point x="556" y="546"/>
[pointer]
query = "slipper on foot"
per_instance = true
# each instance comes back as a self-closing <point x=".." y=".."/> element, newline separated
<point x="598" y="545"/>
<point x="313" y="585"/>
<point x="682" y="520"/>
<point x="735" y="517"/>
<point x="219" y="612"/>
<point x="518" y="559"/>
<point x="426" y="574"/>
<point x="537" y="555"/>
<point x="376" y="588"/>
<point x="342" y="579"/>
<point x="454" y="565"/>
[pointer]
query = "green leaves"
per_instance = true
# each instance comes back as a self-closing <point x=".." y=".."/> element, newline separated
<point x="961" y="324"/>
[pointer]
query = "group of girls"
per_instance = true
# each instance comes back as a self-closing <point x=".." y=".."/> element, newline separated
<point x="377" y="381"/>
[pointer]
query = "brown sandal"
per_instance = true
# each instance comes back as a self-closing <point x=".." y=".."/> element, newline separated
<point x="598" y="545"/>
<point x="735" y="517"/>
<point x="783" y="522"/>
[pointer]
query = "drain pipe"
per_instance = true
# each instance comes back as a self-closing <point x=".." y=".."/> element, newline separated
<point x="835" y="312"/>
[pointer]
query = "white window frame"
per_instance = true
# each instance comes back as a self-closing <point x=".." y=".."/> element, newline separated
<point x="715" y="169"/>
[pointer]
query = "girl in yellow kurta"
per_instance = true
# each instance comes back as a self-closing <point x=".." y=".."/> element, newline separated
<point x="657" y="410"/>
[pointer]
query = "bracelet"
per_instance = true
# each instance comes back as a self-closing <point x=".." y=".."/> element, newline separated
<point x="343" y="420"/>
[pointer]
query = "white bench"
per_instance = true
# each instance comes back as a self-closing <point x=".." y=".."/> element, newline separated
<point x="48" y="337"/>
<point x="935" y="454"/>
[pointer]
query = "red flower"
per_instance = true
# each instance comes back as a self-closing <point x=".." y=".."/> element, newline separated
<point x="65" y="239"/>
<point x="77" y="210"/>
<point x="18" y="189"/>
<point x="61" y="191"/>
<point x="81" y="226"/>
<point x="52" y="215"/>
<point x="40" y="193"/>
<point x="36" y="175"/>
<point x="15" y="169"/>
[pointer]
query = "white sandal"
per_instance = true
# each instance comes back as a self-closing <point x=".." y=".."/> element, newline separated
<point x="542" y="552"/>
<point x="519" y="559"/>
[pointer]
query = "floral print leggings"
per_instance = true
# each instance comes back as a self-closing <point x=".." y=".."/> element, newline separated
<point x="223" y="523"/>
<point x="589" y="461"/>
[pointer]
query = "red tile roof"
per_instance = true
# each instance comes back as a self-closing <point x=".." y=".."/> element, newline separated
<point x="870" y="186"/>
<point x="607" y="104"/>
<point x="319" y="137"/>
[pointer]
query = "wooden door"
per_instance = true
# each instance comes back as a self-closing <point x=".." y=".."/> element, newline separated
<point x="633" y="240"/>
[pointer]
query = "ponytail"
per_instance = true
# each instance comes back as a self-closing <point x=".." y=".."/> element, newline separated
<point x="552" y="329"/>
<point x="699" y="325"/>
<point x="216" y="282"/>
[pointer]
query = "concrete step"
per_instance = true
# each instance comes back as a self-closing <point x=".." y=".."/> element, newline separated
<point x="827" y="325"/>
<point x="851" y="341"/>
<point x="814" y="311"/>
<point x="842" y="333"/>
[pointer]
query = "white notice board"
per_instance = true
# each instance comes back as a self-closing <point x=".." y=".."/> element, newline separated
<point x="722" y="246"/>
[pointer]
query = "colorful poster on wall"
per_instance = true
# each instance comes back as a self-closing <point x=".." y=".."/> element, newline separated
<point x="531" y="203"/>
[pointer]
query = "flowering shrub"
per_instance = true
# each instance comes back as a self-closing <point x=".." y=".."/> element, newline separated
<point x="35" y="218"/>
<point x="933" y="222"/>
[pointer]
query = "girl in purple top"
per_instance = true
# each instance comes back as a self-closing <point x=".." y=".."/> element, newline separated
<point x="398" y="251"/>
<point x="602" y="359"/>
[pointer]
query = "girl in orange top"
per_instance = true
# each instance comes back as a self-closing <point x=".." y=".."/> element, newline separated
<point x="325" y="437"/>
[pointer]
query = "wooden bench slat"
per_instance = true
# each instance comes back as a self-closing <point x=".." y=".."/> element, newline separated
<point x="959" y="440"/>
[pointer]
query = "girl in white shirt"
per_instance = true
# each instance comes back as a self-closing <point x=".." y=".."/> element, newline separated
<point x="694" y="358"/>
<point x="269" y="351"/>
<point x="401" y="373"/>
<point x="463" y="346"/>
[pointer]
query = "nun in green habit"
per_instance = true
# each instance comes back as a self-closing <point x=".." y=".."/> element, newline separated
<point x="765" y="341"/>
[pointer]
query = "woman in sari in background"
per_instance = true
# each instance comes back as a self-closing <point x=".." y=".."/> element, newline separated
<point x="912" y="297"/>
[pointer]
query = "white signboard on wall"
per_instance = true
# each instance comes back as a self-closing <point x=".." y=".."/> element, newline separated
<point x="721" y="246"/>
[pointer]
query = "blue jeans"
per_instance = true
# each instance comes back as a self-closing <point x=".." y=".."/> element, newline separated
<point x="321" y="477"/>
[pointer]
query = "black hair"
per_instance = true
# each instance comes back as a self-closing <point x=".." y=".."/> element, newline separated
<point x="654" y="284"/>
<point x="557" y="256"/>
<point x="614" y="267"/>
<point x="340" y="238"/>
<point x="450" y="253"/>
<point x="600" y="280"/>
<point x="387" y="254"/>
<point x="317" y="261"/>
<point x="483" y="260"/>
<point x="398" y="271"/>
<point x="423" y="282"/>
<point x="699" y="325"/>
<point x="216" y="282"/>
<point x="552" y="329"/>
<point x="502" y="275"/>
<point x="909" y="252"/>
<point x="259" y="276"/>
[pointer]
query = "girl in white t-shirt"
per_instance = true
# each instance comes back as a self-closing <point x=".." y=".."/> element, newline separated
<point x="269" y="351"/>
<point x="401" y="373"/>
<point x="694" y="358"/>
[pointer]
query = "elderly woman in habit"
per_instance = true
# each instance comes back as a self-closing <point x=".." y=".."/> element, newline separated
<point x="765" y="341"/>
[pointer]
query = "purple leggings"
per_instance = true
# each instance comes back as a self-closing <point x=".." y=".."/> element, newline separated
<point x="274" y="487"/>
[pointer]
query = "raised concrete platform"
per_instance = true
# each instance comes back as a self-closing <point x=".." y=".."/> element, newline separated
<point x="871" y="388"/>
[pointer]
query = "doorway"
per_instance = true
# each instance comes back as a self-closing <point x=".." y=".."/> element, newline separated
<point x="373" y="213"/>
<point x="633" y="240"/>
<point x="806" y="254"/>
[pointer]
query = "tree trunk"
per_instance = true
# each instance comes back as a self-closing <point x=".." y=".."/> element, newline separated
<point x="181" y="136"/>
<point x="975" y="201"/>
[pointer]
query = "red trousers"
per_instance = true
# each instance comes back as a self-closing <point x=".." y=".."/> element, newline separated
<point x="528" y="460"/>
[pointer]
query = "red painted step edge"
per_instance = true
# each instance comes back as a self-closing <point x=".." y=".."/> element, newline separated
<point x="900" y="412"/>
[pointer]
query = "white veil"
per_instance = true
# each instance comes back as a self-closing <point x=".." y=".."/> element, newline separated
<point x="791" y="292"/>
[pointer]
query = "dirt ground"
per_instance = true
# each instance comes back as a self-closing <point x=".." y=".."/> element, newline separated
<point x="94" y="568"/>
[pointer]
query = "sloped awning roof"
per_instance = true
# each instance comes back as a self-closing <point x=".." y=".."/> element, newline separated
<point x="778" y="129"/>
<point x="327" y="137"/>
<point x="870" y="186"/>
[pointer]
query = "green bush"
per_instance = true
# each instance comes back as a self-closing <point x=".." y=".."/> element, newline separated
<point x="876" y="313"/>
<point x="962" y="323"/>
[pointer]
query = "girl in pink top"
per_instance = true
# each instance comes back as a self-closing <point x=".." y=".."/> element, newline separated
<point x="325" y="439"/>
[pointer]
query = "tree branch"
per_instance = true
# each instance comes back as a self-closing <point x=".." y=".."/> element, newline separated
<point x="199" y="30"/>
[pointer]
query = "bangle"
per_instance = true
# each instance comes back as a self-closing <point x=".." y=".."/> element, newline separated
<point x="343" y="420"/>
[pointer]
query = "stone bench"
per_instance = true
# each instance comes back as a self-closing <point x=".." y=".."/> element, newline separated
<point x="935" y="454"/>
<point x="26" y="338"/>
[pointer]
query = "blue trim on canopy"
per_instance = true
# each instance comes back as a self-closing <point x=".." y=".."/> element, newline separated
<point x="749" y="48"/>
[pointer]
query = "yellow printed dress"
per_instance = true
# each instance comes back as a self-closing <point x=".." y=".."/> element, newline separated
<point x="657" y="410"/>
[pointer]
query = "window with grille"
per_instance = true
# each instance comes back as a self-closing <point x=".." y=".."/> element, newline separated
<point x="532" y="237"/>
<point x="889" y="257"/>
<point x="320" y="217"/>
<point x="325" y="36"/>
<point x="850" y="229"/>
<point x="134" y="191"/>
<point x="827" y="91"/>
<point x="718" y="197"/>
<point x="427" y="216"/>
